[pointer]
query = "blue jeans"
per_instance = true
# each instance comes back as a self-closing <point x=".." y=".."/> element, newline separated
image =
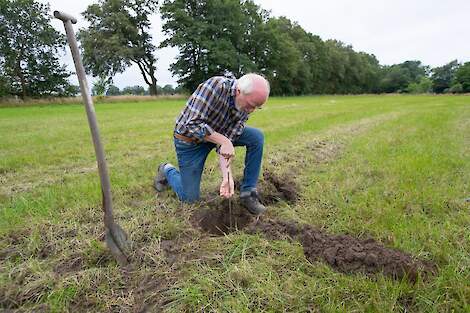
<point x="192" y="156"/>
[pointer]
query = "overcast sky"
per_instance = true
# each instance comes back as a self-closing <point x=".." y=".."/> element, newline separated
<point x="432" y="31"/>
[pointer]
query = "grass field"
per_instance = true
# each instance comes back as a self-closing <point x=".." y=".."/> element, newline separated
<point x="392" y="168"/>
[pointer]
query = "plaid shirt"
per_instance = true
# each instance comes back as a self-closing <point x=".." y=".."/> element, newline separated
<point x="212" y="108"/>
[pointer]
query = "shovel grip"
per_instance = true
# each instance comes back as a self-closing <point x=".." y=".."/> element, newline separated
<point x="64" y="17"/>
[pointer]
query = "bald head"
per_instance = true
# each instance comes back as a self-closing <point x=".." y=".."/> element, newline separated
<point x="253" y="83"/>
<point x="253" y="91"/>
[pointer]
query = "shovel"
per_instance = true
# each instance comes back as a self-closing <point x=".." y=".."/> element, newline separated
<point x="115" y="237"/>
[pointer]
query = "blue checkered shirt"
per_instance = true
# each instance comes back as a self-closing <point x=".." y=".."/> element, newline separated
<point x="212" y="108"/>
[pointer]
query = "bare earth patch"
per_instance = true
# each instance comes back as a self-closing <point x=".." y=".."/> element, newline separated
<point x="274" y="188"/>
<point x="344" y="253"/>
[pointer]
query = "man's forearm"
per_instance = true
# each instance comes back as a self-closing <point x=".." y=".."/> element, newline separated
<point x="224" y="167"/>
<point x="224" y="160"/>
<point x="217" y="138"/>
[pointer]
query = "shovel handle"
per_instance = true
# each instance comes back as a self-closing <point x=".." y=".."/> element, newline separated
<point x="91" y="115"/>
<point x="64" y="17"/>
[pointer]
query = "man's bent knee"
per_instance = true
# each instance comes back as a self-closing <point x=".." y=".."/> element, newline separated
<point x="258" y="137"/>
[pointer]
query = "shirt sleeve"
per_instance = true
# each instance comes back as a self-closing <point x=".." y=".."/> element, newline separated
<point x="200" y="105"/>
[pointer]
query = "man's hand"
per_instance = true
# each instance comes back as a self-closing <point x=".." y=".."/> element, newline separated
<point x="226" y="148"/>
<point x="227" y="187"/>
<point x="227" y="151"/>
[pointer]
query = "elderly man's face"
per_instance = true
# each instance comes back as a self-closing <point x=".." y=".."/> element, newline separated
<point x="254" y="100"/>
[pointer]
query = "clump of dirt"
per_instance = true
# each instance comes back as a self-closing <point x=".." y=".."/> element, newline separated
<point x="346" y="253"/>
<point x="274" y="189"/>
<point x="275" y="230"/>
<point x="223" y="218"/>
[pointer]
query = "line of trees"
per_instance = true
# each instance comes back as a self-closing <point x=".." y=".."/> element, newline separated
<point x="136" y="90"/>
<point x="239" y="36"/>
<point x="212" y="36"/>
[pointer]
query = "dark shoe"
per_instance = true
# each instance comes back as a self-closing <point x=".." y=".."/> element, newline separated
<point x="252" y="204"/>
<point x="160" y="183"/>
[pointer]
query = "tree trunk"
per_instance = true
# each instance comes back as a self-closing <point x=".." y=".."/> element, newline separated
<point x="153" y="85"/>
<point x="147" y="68"/>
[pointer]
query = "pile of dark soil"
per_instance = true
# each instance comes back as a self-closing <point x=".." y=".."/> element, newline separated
<point x="274" y="189"/>
<point x="344" y="253"/>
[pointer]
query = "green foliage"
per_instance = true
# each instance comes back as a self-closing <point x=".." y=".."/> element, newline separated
<point x="113" y="91"/>
<point x="398" y="77"/>
<point x="238" y="36"/>
<point x="28" y="48"/>
<point x="167" y="89"/>
<point x="462" y="77"/>
<point x="456" y="88"/>
<point x="4" y="88"/>
<point x="443" y="76"/>
<point x="212" y="36"/>
<point x="100" y="86"/>
<point x="423" y="86"/>
<point x="119" y="35"/>
<point x="350" y="72"/>
<point x="283" y="65"/>
<point x="133" y="90"/>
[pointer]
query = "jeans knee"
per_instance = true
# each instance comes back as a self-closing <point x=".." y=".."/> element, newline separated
<point x="258" y="137"/>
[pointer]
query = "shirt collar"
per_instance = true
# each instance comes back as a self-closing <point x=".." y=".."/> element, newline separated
<point x="233" y="88"/>
<point x="233" y="93"/>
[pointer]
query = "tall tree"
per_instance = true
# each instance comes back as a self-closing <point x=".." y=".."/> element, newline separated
<point x="4" y="86"/>
<point x="212" y="36"/>
<point x="119" y="35"/>
<point x="397" y="77"/>
<point x="28" y="50"/>
<point x="462" y="76"/>
<point x="133" y="90"/>
<point x="100" y="86"/>
<point x="443" y="76"/>
<point x="113" y="91"/>
<point x="283" y="63"/>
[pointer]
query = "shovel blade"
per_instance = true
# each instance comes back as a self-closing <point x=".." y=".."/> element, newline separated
<point x="117" y="242"/>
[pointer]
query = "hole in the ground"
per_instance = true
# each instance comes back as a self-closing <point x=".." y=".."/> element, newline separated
<point x="222" y="217"/>
<point x="344" y="253"/>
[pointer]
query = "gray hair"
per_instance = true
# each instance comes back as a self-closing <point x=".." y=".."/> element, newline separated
<point x="246" y="83"/>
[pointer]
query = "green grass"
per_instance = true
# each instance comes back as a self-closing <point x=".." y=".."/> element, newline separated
<point x="396" y="168"/>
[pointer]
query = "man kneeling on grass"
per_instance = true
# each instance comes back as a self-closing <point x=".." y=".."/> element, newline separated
<point x="215" y="117"/>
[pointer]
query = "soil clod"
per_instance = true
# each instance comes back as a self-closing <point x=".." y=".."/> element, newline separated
<point x="274" y="189"/>
<point x="344" y="253"/>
